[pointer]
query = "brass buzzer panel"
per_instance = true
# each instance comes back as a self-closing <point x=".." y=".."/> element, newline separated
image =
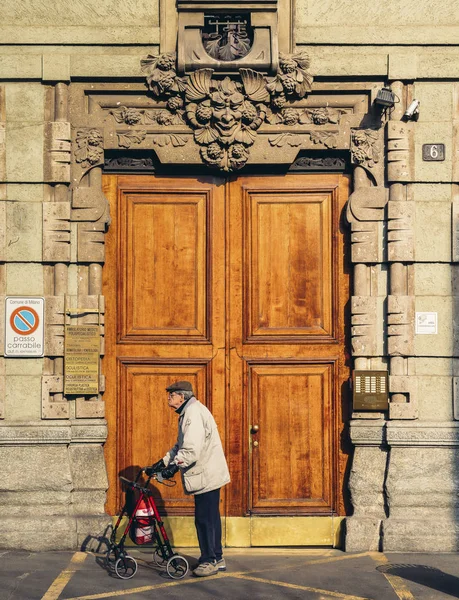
<point x="370" y="390"/>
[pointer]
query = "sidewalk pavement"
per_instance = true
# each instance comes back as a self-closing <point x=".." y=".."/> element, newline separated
<point x="256" y="574"/>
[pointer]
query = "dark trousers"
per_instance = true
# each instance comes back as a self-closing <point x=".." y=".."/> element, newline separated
<point x="208" y="525"/>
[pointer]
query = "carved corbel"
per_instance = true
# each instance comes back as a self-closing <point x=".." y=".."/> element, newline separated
<point x="367" y="152"/>
<point x="57" y="152"/>
<point x="363" y="329"/>
<point x="50" y="408"/>
<point x="400" y="151"/>
<point x="365" y="213"/>
<point x="401" y="231"/>
<point x="367" y="204"/>
<point x="91" y="208"/>
<point x="88" y="148"/>
<point x="408" y="386"/>
<point x="56" y="231"/>
<point x="400" y="320"/>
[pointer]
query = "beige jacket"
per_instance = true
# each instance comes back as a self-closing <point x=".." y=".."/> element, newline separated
<point x="198" y="451"/>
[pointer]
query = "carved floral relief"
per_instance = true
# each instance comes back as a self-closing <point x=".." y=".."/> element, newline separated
<point x="366" y="147"/>
<point x="89" y="147"/>
<point x="225" y="114"/>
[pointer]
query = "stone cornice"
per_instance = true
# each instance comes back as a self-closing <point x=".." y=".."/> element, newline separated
<point x="422" y="434"/>
<point x="368" y="432"/>
<point x="39" y="432"/>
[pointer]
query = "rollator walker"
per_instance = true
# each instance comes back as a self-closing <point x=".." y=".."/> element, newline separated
<point x="145" y="527"/>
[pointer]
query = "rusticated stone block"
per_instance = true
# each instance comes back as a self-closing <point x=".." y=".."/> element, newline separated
<point x="22" y="397"/>
<point x="90" y="207"/>
<point x="57" y="152"/>
<point x="363" y="534"/>
<point x="2" y="395"/>
<point x="429" y="533"/>
<point x="455" y="231"/>
<point x="50" y="408"/>
<point x="90" y="408"/>
<point x="54" y="331"/>
<point x="422" y="490"/>
<point x="400" y="319"/>
<point x="56" y="67"/>
<point x="401" y="384"/>
<point x="400" y="231"/>
<point x="364" y="325"/>
<point x="366" y="486"/>
<point x="2" y="230"/>
<point x="23" y="231"/>
<point x="433" y="224"/>
<point x="400" y="151"/>
<point x="366" y="240"/>
<point x="56" y="231"/>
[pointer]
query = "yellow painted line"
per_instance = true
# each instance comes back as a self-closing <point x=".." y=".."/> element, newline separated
<point x="240" y="575"/>
<point x="398" y="584"/>
<point x="147" y="588"/>
<point x="300" y="587"/>
<point x="58" y="585"/>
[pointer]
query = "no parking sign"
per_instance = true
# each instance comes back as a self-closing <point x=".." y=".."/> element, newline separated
<point x="24" y="331"/>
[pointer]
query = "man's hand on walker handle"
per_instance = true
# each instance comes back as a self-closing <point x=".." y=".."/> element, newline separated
<point x="169" y="471"/>
<point x="155" y="468"/>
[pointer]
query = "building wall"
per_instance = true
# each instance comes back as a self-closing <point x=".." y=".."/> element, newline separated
<point x="404" y="477"/>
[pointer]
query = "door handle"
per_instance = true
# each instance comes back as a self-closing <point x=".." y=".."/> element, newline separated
<point x="255" y="443"/>
<point x="254" y="429"/>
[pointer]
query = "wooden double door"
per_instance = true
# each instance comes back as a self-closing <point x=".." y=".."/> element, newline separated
<point x="240" y="286"/>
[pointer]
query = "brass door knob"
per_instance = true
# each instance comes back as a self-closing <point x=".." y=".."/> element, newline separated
<point x="255" y="443"/>
<point x="255" y="428"/>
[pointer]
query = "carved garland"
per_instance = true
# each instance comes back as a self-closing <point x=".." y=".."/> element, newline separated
<point x="226" y="114"/>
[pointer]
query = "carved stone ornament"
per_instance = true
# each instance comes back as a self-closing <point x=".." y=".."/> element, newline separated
<point x="366" y="147"/>
<point x="225" y="114"/>
<point x="89" y="147"/>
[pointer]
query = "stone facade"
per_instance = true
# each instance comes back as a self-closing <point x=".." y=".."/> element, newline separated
<point x="67" y="72"/>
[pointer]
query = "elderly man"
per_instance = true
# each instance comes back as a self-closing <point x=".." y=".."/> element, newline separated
<point x="198" y="455"/>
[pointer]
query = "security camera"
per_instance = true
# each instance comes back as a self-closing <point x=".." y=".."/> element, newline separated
<point x="412" y="112"/>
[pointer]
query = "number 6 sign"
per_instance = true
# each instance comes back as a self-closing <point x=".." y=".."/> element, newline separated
<point x="431" y="152"/>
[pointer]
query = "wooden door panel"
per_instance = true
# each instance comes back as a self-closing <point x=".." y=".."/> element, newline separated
<point x="292" y="458"/>
<point x="287" y="263"/>
<point x="148" y="427"/>
<point x="163" y="265"/>
<point x="239" y="286"/>
<point x="165" y="286"/>
<point x="288" y="289"/>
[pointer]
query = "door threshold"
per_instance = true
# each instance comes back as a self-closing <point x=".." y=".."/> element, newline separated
<point x="259" y="532"/>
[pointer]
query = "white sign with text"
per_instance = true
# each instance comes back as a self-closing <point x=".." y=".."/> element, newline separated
<point x="24" y="330"/>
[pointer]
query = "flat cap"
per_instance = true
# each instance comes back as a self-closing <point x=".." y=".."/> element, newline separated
<point x="180" y="386"/>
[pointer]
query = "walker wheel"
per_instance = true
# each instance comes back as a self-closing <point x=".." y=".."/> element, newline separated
<point x="126" y="567"/>
<point x="177" y="567"/>
<point x="158" y="558"/>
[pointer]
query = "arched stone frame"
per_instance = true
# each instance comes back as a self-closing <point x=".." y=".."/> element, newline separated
<point x="94" y="118"/>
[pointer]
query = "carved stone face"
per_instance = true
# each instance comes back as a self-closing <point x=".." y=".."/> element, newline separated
<point x="227" y="104"/>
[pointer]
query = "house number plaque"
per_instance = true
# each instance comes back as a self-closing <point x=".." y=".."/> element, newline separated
<point x="432" y="152"/>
